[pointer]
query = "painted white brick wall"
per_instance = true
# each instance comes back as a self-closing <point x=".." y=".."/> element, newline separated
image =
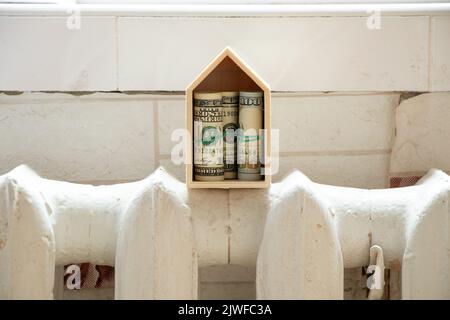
<point x="334" y="122"/>
<point x="41" y="53"/>
<point x="227" y="282"/>
<point x="363" y="171"/>
<point x="336" y="53"/>
<point x="321" y="50"/>
<point x="440" y="61"/>
<point x="341" y="139"/>
<point x="89" y="138"/>
<point x="420" y="120"/>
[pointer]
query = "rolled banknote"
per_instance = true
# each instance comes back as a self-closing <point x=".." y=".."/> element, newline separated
<point x="230" y="103"/>
<point x="250" y="123"/>
<point x="208" y="142"/>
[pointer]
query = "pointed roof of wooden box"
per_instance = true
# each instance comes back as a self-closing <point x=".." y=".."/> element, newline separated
<point x="228" y="52"/>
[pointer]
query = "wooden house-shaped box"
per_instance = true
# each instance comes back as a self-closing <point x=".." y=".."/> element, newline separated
<point x="227" y="72"/>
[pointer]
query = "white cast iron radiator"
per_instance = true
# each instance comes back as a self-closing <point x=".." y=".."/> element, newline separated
<point x="314" y="231"/>
<point x="141" y="228"/>
<point x="144" y="229"/>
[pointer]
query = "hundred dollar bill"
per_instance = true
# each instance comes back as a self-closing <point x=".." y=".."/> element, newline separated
<point x="250" y="123"/>
<point x="208" y="143"/>
<point x="230" y="103"/>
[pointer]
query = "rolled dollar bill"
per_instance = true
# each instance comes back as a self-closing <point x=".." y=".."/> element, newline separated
<point x="230" y="104"/>
<point x="250" y="123"/>
<point x="208" y="143"/>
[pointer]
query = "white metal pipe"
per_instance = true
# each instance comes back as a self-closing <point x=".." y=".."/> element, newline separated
<point x="227" y="10"/>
